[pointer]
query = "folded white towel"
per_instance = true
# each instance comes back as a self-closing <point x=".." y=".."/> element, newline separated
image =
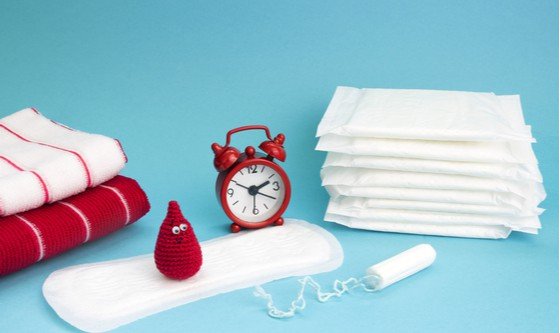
<point x="42" y="161"/>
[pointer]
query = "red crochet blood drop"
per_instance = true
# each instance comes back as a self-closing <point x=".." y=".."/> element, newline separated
<point x="178" y="255"/>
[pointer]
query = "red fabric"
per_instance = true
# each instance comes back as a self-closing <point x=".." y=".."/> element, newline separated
<point x="44" y="232"/>
<point x="177" y="255"/>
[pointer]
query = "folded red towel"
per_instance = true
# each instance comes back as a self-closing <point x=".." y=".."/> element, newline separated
<point x="44" y="232"/>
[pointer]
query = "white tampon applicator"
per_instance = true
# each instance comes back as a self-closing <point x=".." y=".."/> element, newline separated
<point x="379" y="276"/>
<point x="401" y="266"/>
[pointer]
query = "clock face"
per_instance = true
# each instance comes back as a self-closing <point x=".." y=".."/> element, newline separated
<point x="256" y="192"/>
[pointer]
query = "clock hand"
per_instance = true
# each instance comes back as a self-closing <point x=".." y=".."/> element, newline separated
<point x="254" y="203"/>
<point x="254" y="190"/>
<point x="236" y="183"/>
<point x="262" y="185"/>
<point x="266" y="195"/>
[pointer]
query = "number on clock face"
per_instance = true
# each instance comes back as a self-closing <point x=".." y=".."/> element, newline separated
<point x="255" y="193"/>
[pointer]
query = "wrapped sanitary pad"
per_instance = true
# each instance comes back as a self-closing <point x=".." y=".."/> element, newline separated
<point x="364" y="204"/>
<point x="438" y="196"/>
<point x="464" y="151"/>
<point x="424" y="115"/>
<point x="397" y="215"/>
<point x="446" y="163"/>
<point x="451" y="230"/>
<point x="360" y="177"/>
<point x="511" y="171"/>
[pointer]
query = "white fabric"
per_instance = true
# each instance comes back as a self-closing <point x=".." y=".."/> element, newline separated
<point x="445" y="196"/>
<point x="401" y="266"/>
<point x="424" y="115"/>
<point x="511" y="171"/>
<point x="39" y="157"/>
<point x="451" y="230"/>
<point x="360" y="177"/>
<point x="102" y="296"/>
<point x="464" y="151"/>
<point x="461" y="208"/>
<point x="410" y="216"/>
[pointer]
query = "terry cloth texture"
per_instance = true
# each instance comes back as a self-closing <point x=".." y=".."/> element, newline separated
<point x="44" y="232"/>
<point x="42" y="161"/>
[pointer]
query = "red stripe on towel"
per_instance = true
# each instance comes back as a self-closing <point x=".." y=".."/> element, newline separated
<point x="36" y="174"/>
<point x="38" y="237"/>
<point x="122" y="150"/>
<point x="61" y="228"/>
<point x="82" y="216"/>
<point x="88" y="175"/>
<point x="71" y="129"/>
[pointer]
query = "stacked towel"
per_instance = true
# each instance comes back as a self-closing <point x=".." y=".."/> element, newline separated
<point x="59" y="188"/>
<point x="430" y="162"/>
<point x="42" y="161"/>
<point x="44" y="232"/>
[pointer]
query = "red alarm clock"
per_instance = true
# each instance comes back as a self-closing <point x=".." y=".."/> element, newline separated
<point x="253" y="190"/>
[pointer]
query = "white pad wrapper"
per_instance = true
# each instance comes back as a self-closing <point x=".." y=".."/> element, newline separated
<point x="356" y="203"/>
<point x="401" y="266"/>
<point x="424" y="115"/>
<point x="462" y="151"/>
<point x="360" y="177"/>
<point x="397" y="215"/>
<point x="448" y="230"/>
<point x="510" y="171"/>
<point x="102" y="296"/>
<point x="431" y="195"/>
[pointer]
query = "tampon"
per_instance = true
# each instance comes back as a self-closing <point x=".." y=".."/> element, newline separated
<point x="402" y="265"/>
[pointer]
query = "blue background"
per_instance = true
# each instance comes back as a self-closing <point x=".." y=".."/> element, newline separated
<point x="168" y="78"/>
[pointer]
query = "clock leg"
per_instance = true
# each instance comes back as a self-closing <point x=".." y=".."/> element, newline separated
<point x="280" y="221"/>
<point x="234" y="228"/>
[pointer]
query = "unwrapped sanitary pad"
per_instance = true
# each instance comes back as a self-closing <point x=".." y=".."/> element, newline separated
<point x="42" y="161"/>
<point x="102" y="296"/>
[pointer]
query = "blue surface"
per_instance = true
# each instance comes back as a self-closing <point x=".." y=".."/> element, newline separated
<point x="170" y="77"/>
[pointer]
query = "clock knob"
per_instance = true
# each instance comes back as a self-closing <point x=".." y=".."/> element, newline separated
<point x="250" y="152"/>
<point x="224" y="157"/>
<point x="275" y="147"/>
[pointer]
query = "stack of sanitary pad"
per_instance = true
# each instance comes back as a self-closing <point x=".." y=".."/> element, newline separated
<point x="430" y="162"/>
<point x="59" y="188"/>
